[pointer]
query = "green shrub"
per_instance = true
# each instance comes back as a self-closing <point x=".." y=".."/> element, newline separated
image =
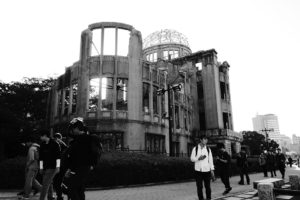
<point x="120" y="168"/>
<point x="12" y="173"/>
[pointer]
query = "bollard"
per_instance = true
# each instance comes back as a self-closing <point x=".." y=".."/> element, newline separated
<point x="265" y="191"/>
<point x="294" y="181"/>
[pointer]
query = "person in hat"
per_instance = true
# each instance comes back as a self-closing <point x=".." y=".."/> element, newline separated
<point x="83" y="155"/>
<point x="204" y="167"/>
<point x="223" y="165"/>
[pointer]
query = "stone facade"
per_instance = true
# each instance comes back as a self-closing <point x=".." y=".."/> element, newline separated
<point x="130" y="100"/>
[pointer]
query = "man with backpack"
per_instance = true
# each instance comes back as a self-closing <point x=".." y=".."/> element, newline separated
<point x="223" y="166"/>
<point x="204" y="167"/>
<point x="83" y="155"/>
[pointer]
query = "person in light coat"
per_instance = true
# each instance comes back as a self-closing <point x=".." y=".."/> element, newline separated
<point x="204" y="167"/>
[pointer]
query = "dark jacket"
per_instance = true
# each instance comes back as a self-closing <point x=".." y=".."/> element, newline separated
<point x="242" y="161"/>
<point x="49" y="153"/>
<point x="224" y="167"/>
<point x="84" y="151"/>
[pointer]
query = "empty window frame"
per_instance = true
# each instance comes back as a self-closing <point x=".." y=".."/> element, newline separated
<point x="122" y="95"/>
<point x="166" y="55"/>
<point x="74" y="97"/>
<point x="223" y="90"/>
<point x="155" y="143"/>
<point x="226" y="120"/>
<point x="155" y="100"/>
<point x="93" y="94"/>
<point x="123" y="42"/>
<point x="177" y="119"/>
<point x="109" y="41"/>
<point x="107" y="93"/>
<point x="96" y="42"/>
<point x="146" y="97"/>
<point x="66" y="100"/>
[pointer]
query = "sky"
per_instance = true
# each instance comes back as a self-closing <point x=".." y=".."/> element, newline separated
<point x="260" y="39"/>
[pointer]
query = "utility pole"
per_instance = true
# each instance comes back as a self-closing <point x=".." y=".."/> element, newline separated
<point x="170" y="88"/>
<point x="267" y="135"/>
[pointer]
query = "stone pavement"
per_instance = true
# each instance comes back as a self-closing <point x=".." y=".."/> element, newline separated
<point x="171" y="191"/>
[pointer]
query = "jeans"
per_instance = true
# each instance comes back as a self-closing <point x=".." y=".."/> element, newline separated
<point x="47" y="183"/>
<point x="57" y="181"/>
<point x="224" y="175"/>
<point x="30" y="181"/>
<point x="77" y="183"/>
<point x="244" y="171"/>
<point x="200" y="177"/>
<point x="265" y="170"/>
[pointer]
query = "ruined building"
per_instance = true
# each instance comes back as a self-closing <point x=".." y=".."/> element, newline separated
<point x="145" y="95"/>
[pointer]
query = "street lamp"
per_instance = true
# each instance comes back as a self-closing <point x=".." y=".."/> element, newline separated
<point x="174" y="88"/>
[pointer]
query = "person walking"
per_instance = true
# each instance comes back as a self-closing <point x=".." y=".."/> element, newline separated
<point x="204" y="167"/>
<point x="49" y="163"/>
<point x="31" y="169"/>
<point x="280" y="159"/>
<point x="262" y="160"/>
<point x="58" y="179"/>
<point x="290" y="161"/>
<point x="242" y="163"/>
<point x="271" y="162"/>
<point x="223" y="166"/>
<point x="83" y="155"/>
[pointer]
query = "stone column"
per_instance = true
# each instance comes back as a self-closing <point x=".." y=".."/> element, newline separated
<point x="294" y="181"/>
<point x="265" y="191"/>
<point x="211" y="89"/>
<point x="83" y="82"/>
<point x="135" y="86"/>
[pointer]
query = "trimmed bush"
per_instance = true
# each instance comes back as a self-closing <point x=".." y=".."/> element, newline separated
<point x="120" y="168"/>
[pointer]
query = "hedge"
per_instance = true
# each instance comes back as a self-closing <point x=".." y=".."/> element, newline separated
<point x="120" y="168"/>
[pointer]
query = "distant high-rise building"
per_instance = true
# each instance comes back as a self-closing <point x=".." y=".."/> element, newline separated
<point x="269" y="122"/>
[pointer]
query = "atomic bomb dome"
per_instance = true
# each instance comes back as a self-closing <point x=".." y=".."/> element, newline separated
<point x="165" y="36"/>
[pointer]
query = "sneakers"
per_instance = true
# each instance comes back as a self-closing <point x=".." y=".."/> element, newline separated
<point x="227" y="190"/>
<point x="241" y="183"/>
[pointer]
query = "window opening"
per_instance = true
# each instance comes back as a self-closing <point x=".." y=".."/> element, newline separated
<point x="109" y="41"/>
<point x="123" y="42"/>
<point x="94" y="94"/>
<point x="96" y="42"/>
<point x="122" y="86"/>
<point x="74" y="97"/>
<point x="146" y="92"/>
<point x="67" y="100"/>
<point x="107" y="93"/>
<point x="155" y="100"/>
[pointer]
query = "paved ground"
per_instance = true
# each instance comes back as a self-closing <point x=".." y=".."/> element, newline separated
<point x="175" y="191"/>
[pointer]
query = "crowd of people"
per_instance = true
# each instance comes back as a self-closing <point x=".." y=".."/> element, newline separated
<point x="64" y="168"/>
<point x="204" y="167"/>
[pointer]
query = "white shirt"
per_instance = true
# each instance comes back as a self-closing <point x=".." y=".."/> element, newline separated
<point x="205" y="165"/>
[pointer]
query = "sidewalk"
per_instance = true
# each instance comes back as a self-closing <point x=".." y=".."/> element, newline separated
<point x="174" y="191"/>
